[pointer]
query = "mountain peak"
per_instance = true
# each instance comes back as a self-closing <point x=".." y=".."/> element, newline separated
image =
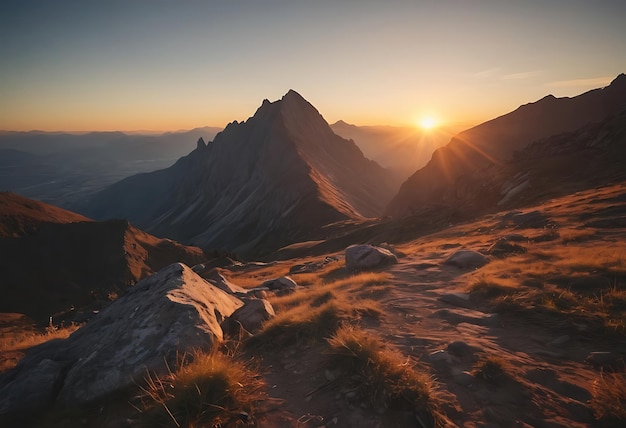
<point x="200" y="144"/>
<point x="291" y="94"/>
<point x="619" y="80"/>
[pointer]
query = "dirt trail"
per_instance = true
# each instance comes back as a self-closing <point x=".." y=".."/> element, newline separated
<point x="550" y="380"/>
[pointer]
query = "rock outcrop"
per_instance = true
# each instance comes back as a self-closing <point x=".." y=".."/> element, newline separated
<point x="368" y="257"/>
<point x="163" y="316"/>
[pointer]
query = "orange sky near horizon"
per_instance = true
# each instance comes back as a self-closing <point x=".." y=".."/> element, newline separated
<point x="160" y="66"/>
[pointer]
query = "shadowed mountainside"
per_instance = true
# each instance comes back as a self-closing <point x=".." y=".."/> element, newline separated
<point x="54" y="260"/>
<point x="275" y="179"/>
<point x="495" y="142"/>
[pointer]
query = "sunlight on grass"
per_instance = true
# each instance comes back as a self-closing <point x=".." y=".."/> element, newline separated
<point x="314" y="313"/>
<point x="28" y="339"/>
<point x="381" y="374"/>
<point x="608" y="401"/>
<point x="212" y="390"/>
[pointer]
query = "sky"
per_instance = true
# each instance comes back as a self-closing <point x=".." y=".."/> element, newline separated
<point x="173" y="64"/>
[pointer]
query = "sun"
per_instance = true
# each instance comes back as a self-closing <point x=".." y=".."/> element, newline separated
<point x="428" y="122"/>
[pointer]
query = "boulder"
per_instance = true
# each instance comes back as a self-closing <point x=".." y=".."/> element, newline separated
<point x="282" y="285"/>
<point x="368" y="257"/>
<point x="165" y="315"/>
<point x="466" y="259"/>
<point x="216" y="279"/>
<point x="253" y="314"/>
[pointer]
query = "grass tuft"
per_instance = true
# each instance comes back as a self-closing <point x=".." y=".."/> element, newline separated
<point x="492" y="368"/>
<point x="298" y="325"/>
<point x="380" y="373"/>
<point x="212" y="390"/>
<point x="608" y="401"/>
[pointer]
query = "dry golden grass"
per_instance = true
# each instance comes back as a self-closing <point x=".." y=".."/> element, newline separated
<point x="608" y="401"/>
<point x="484" y="286"/>
<point x="210" y="391"/>
<point x="314" y="313"/>
<point x="25" y="339"/>
<point x="583" y="281"/>
<point x="492" y="368"/>
<point x="380" y="373"/>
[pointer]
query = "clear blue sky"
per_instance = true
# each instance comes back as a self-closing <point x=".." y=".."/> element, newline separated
<point x="155" y="64"/>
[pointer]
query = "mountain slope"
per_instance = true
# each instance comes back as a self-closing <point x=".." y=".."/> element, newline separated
<point x="53" y="260"/>
<point x="275" y="179"/>
<point x="493" y="142"/>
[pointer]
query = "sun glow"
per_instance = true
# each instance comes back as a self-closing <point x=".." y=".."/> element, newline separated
<point x="428" y="122"/>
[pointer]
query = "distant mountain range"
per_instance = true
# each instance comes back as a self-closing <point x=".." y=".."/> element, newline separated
<point x="401" y="149"/>
<point x="54" y="260"/>
<point x="277" y="178"/>
<point x="61" y="168"/>
<point x="284" y="175"/>
<point x="473" y="155"/>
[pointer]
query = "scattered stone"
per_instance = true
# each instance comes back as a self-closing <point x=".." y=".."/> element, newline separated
<point x="367" y="257"/>
<point x="309" y="267"/>
<point x="466" y="259"/>
<point x="216" y="279"/>
<point x="165" y="315"/>
<point x="253" y="314"/>
<point x="282" y="285"/>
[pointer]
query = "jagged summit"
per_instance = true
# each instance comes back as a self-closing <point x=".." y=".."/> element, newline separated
<point x="618" y="82"/>
<point x="291" y="94"/>
<point x="275" y="179"/>
<point x="200" y="144"/>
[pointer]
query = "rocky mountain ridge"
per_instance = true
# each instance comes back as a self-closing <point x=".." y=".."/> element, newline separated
<point x="494" y="142"/>
<point x="275" y="179"/>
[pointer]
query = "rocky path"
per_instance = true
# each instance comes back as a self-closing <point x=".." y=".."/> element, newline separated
<point x="430" y="317"/>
